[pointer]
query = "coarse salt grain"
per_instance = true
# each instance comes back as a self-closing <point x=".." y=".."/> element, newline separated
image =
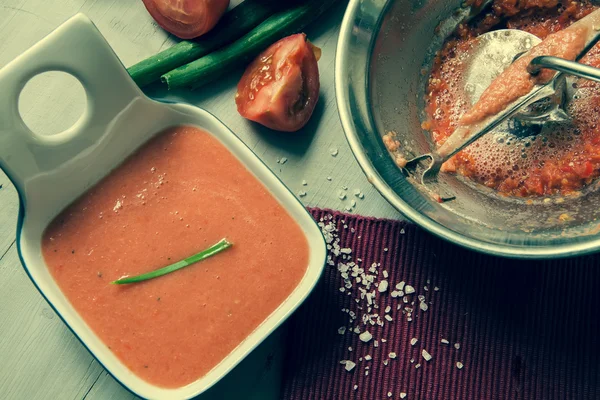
<point x="414" y="341"/>
<point x="333" y="152"/>
<point x="355" y="387"/>
<point x="301" y="193"/>
<point x="445" y="341"/>
<point x="349" y="365"/>
<point x="365" y="336"/>
<point x="389" y="394"/>
<point x="426" y="355"/>
<point x="383" y="286"/>
<point x="362" y="282"/>
<point x="402" y="395"/>
<point x="457" y="346"/>
<point x="283" y="160"/>
<point x="304" y="183"/>
<point x="459" y="365"/>
<point x="423" y="306"/>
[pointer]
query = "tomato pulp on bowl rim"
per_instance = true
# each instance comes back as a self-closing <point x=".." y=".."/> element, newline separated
<point x="177" y="195"/>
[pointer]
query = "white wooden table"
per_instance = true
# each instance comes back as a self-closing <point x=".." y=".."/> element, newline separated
<point x="39" y="357"/>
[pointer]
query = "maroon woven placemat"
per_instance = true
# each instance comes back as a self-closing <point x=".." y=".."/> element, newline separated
<point x="526" y="330"/>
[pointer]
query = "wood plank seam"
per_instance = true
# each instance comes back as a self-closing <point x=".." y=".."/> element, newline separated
<point x="8" y="249"/>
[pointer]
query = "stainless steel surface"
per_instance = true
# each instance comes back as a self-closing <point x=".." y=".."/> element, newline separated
<point x="383" y="58"/>
<point x="490" y="54"/>
<point x="566" y="66"/>
<point x="467" y="134"/>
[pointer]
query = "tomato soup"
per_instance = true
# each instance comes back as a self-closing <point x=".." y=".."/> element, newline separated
<point x="562" y="159"/>
<point x="179" y="194"/>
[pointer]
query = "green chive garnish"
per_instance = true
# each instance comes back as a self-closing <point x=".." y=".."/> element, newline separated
<point x="211" y="251"/>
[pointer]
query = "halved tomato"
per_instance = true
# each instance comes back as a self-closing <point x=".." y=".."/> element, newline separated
<point x="186" y="19"/>
<point x="280" y="88"/>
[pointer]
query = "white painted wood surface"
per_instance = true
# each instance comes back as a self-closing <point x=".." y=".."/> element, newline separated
<point x="39" y="357"/>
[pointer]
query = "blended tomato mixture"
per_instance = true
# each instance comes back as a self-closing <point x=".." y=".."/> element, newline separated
<point x="560" y="160"/>
<point x="516" y="82"/>
<point x="180" y="193"/>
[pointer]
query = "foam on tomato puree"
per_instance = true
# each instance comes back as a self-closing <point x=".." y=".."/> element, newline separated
<point x="559" y="160"/>
<point x="180" y="193"/>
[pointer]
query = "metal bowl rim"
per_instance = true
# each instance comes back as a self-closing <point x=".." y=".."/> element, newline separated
<point x="432" y="226"/>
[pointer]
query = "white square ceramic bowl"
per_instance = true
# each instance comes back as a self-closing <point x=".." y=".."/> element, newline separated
<point x="49" y="172"/>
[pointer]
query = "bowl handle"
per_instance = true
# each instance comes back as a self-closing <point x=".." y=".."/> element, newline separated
<point x="77" y="48"/>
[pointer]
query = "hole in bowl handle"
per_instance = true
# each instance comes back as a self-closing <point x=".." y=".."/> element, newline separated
<point x="76" y="47"/>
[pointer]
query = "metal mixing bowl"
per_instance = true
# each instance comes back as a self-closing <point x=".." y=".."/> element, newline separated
<point x="384" y="52"/>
